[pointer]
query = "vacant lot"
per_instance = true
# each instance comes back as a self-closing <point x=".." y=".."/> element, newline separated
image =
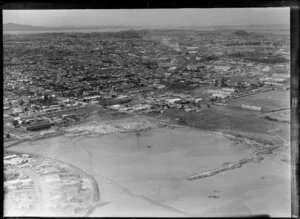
<point x="268" y="101"/>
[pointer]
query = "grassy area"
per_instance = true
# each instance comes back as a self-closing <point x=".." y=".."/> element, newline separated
<point x="266" y="58"/>
<point x="283" y="116"/>
<point x="112" y="114"/>
<point x="272" y="100"/>
<point x="250" y="125"/>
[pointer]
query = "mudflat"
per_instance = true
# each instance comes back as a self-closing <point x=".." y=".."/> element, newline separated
<point x="146" y="174"/>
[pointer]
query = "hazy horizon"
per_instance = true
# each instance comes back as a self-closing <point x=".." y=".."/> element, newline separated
<point x="149" y="17"/>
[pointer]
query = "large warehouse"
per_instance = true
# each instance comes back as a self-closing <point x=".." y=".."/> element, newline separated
<point x="37" y="126"/>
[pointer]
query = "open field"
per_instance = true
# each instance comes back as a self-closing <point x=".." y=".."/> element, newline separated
<point x="235" y="120"/>
<point x="268" y="101"/>
<point x="283" y="115"/>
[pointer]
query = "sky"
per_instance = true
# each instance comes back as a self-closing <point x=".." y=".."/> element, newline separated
<point x="149" y="17"/>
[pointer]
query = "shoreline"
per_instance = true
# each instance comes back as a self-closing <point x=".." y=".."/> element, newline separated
<point x="232" y="135"/>
<point x="256" y="156"/>
<point x="261" y="146"/>
<point x="208" y="171"/>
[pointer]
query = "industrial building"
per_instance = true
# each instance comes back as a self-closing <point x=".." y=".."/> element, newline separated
<point x="257" y="108"/>
<point x="37" y="126"/>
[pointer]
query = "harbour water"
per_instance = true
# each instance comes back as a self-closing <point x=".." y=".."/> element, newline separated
<point x="148" y="171"/>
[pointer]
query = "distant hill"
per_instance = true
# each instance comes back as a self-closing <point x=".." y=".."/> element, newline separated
<point x="125" y="34"/>
<point x="256" y="27"/>
<point x="22" y="27"/>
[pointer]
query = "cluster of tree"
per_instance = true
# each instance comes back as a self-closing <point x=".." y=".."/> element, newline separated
<point x="182" y="121"/>
<point x="261" y="58"/>
<point x="243" y="44"/>
<point x="210" y="58"/>
<point x="237" y="55"/>
<point x="126" y="34"/>
<point x="113" y="101"/>
<point x="150" y="64"/>
<point x="267" y="59"/>
<point x="241" y="33"/>
<point x="178" y="84"/>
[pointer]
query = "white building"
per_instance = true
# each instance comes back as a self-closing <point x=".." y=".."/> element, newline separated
<point x="198" y="100"/>
<point x="192" y="47"/>
<point x="281" y="75"/>
<point x="222" y="68"/>
<point x="221" y="95"/>
<point x="257" y="108"/>
<point x="141" y="107"/>
<point x="231" y="90"/>
<point x="172" y="68"/>
<point x="172" y="101"/>
<point x="18" y="110"/>
<point x="116" y="106"/>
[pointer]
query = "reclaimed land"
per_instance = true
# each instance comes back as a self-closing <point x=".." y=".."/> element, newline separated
<point x="238" y="125"/>
<point x="235" y="121"/>
<point x="86" y="208"/>
<point x="269" y="101"/>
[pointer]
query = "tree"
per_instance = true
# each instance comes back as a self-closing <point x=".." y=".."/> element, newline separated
<point x="22" y="102"/>
<point x="46" y="97"/>
<point x="182" y="121"/>
<point x="216" y="83"/>
<point x="15" y="122"/>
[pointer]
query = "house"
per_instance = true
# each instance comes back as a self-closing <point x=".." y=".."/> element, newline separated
<point x="269" y="79"/>
<point x="116" y="106"/>
<point x="47" y="132"/>
<point x="231" y="90"/>
<point x="28" y="120"/>
<point x="159" y="86"/>
<point x="48" y="110"/>
<point x="57" y="120"/>
<point x="222" y="68"/>
<point x="172" y="68"/>
<point x="172" y="101"/>
<point x="141" y="107"/>
<point x="86" y="99"/>
<point x="198" y="100"/>
<point x="276" y="75"/>
<point x="192" y="47"/>
<point x="94" y="101"/>
<point x="6" y="107"/>
<point x="220" y="95"/>
<point x="18" y="110"/>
